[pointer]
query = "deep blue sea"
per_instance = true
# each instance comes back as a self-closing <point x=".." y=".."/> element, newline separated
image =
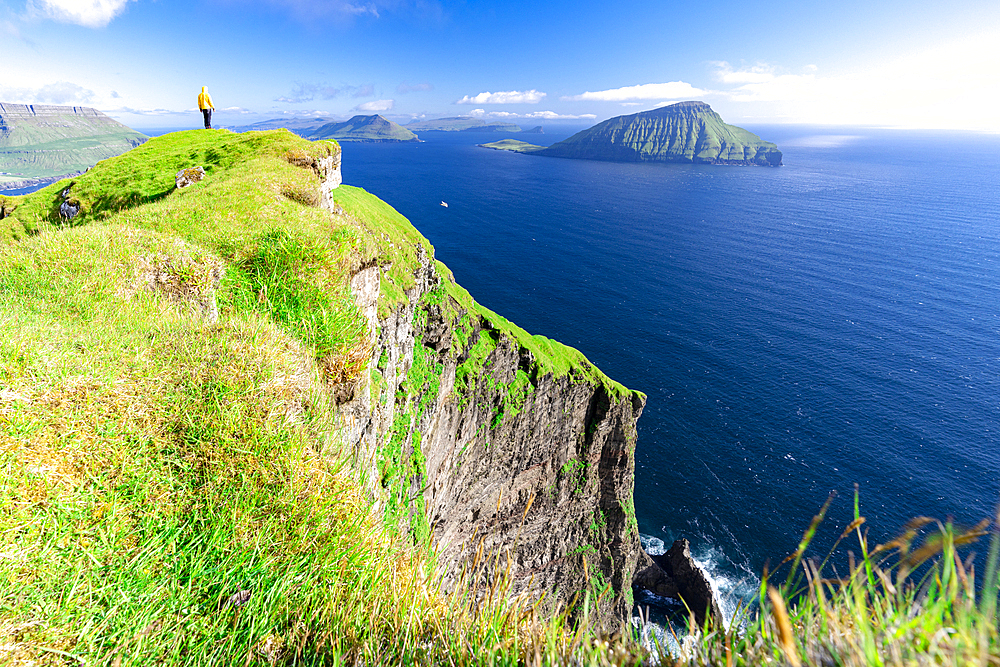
<point x="797" y="330"/>
<point x="13" y="192"/>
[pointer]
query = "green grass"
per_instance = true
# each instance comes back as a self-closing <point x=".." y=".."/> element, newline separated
<point x="172" y="488"/>
<point x="911" y="601"/>
<point x="552" y="357"/>
<point x="63" y="156"/>
<point x="57" y="142"/>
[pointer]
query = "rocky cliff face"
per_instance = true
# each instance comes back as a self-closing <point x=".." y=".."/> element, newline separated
<point x="682" y="132"/>
<point x="512" y="451"/>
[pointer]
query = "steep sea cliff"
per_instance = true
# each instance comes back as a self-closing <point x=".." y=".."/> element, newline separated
<point x="503" y="449"/>
<point x="494" y="440"/>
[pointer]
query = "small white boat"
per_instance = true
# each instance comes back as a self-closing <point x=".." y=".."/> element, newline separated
<point x="445" y="204"/>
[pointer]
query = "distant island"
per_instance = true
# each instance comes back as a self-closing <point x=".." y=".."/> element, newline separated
<point x="688" y="132"/>
<point x="40" y="143"/>
<point x="377" y="128"/>
<point x="461" y="124"/>
<point x="360" y="129"/>
<point x="367" y="129"/>
<point x="300" y="126"/>
<point x="513" y="145"/>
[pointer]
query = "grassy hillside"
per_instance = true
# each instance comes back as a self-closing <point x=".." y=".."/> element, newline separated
<point x="173" y="490"/>
<point x="42" y="141"/>
<point x="513" y="145"/>
<point x="683" y="132"/>
<point x="367" y="129"/>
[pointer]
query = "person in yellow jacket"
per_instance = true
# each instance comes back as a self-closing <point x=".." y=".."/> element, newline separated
<point x="206" y="106"/>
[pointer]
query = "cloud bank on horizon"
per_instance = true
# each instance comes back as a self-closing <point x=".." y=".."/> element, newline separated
<point x="674" y="90"/>
<point x="417" y="58"/>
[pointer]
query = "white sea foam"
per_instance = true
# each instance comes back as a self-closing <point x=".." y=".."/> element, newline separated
<point x="654" y="546"/>
<point x="734" y="585"/>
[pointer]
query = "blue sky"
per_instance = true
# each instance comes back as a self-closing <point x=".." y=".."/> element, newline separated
<point x="914" y="64"/>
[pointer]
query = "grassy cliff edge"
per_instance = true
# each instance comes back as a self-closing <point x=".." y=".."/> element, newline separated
<point x="177" y="487"/>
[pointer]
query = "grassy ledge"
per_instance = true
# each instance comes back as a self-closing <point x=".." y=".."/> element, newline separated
<point x="171" y="489"/>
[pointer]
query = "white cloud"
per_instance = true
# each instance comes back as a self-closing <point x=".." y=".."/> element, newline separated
<point x="673" y="90"/>
<point x="63" y="92"/>
<point x="504" y="97"/>
<point x="948" y="86"/>
<point x="316" y="113"/>
<point x="150" y="112"/>
<point x="60" y="92"/>
<point x="88" y="13"/>
<point x="376" y="105"/>
<point x="759" y="73"/>
<point x="346" y="11"/>
<point x="307" y="92"/>
<point x="312" y="9"/>
<point x="534" y="115"/>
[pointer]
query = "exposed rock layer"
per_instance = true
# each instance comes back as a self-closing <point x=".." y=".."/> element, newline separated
<point x="675" y="574"/>
<point x="511" y="459"/>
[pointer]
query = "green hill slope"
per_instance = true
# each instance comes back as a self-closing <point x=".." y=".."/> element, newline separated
<point x="687" y="132"/>
<point x="367" y="129"/>
<point x="682" y="132"/>
<point x="179" y="486"/>
<point x="41" y="141"/>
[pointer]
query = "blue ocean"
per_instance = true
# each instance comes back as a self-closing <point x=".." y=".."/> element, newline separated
<point x="798" y="330"/>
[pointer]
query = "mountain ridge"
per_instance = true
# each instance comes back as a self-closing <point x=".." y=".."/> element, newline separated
<point x="365" y="129"/>
<point x="685" y="132"/>
<point x="40" y="142"/>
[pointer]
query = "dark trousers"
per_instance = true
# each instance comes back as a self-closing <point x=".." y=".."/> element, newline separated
<point x="207" y="113"/>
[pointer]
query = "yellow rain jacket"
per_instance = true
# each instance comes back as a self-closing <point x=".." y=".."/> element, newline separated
<point x="204" y="99"/>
